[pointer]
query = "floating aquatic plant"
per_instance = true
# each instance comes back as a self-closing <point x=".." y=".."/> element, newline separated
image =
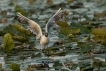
<point x="20" y="9"/>
<point x="87" y="47"/>
<point x="8" y="42"/>
<point x="20" y="38"/>
<point x="21" y="29"/>
<point x="15" y="67"/>
<point x="83" y="29"/>
<point x="11" y="3"/>
<point x="67" y="30"/>
<point x="62" y="24"/>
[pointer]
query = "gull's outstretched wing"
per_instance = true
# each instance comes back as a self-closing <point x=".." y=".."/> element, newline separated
<point x="57" y="16"/>
<point x="33" y="26"/>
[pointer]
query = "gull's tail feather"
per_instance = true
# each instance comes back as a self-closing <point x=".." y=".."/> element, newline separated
<point x="21" y="18"/>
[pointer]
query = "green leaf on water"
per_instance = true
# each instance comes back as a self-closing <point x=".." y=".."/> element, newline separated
<point x="11" y="3"/>
<point x="84" y="64"/>
<point x="20" y="9"/>
<point x="31" y="1"/>
<point x="99" y="31"/>
<point x="74" y="30"/>
<point x="80" y="43"/>
<point x="100" y="34"/>
<point x="87" y="47"/>
<point x="51" y="49"/>
<point x="67" y="30"/>
<point x="64" y="70"/>
<point x="57" y="63"/>
<point x="62" y="24"/>
<point x="96" y="63"/>
<point x="21" y="29"/>
<point x="99" y="38"/>
<point x="103" y="42"/>
<point x="8" y="42"/>
<point x="83" y="29"/>
<point x="9" y="29"/>
<point x="1" y="32"/>
<point x="20" y="38"/>
<point x="15" y="67"/>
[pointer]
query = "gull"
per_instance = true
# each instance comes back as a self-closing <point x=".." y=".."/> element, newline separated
<point x="36" y="29"/>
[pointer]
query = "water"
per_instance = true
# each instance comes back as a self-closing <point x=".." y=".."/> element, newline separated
<point x="43" y="12"/>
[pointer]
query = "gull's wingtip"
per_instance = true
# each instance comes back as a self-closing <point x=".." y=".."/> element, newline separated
<point x="18" y="13"/>
<point x="59" y="8"/>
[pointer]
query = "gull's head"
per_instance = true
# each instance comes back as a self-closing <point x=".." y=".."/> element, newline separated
<point x="46" y="34"/>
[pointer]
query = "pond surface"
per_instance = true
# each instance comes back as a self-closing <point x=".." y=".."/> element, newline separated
<point x="83" y="49"/>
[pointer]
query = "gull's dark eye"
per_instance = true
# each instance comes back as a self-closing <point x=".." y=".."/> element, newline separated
<point x="46" y="34"/>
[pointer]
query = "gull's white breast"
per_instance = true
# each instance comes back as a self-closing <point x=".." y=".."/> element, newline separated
<point x="44" y="40"/>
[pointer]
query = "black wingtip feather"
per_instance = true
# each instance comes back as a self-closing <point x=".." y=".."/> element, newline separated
<point x="21" y="18"/>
